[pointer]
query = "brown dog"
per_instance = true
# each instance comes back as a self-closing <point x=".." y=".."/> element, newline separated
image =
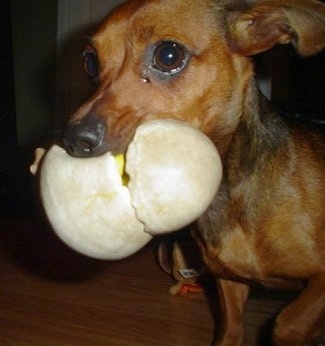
<point x="188" y="60"/>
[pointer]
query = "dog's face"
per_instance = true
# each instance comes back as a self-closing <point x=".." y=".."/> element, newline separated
<point x="183" y="59"/>
<point x="158" y="59"/>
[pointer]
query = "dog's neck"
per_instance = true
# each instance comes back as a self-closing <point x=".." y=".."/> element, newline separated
<point x="256" y="154"/>
<point x="260" y="132"/>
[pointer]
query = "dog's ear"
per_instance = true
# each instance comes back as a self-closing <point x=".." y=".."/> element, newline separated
<point x="266" y="23"/>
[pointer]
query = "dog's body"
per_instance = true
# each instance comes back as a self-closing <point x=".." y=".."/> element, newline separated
<point x="189" y="60"/>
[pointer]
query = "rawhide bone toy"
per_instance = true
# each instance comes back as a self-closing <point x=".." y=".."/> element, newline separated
<point x="109" y="207"/>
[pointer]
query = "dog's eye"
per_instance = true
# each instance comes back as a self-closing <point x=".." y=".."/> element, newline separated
<point x="90" y="61"/>
<point x="169" y="57"/>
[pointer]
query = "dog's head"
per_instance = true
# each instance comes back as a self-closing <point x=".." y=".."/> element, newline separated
<point x="182" y="59"/>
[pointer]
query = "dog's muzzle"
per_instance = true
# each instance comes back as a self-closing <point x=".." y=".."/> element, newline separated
<point x="85" y="137"/>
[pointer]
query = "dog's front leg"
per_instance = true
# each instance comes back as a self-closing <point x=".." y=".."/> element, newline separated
<point x="233" y="297"/>
<point x="297" y="323"/>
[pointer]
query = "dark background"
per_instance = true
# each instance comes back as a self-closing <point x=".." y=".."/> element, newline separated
<point x="15" y="184"/>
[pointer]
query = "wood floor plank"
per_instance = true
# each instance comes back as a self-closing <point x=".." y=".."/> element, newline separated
<point x="50" y="295"/>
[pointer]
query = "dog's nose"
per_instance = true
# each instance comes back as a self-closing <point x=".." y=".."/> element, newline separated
<point x="85" y="138"/>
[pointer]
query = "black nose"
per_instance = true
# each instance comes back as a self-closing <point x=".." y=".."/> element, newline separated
<point x="85" y="138"/>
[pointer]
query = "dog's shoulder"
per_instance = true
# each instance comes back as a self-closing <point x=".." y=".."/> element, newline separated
<point x="310" y="130"/>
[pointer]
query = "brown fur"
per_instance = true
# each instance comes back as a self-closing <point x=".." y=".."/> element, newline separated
<point x="267" y="222"/>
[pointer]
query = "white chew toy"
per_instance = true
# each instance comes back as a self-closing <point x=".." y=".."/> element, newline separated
<point x="174" y="172"/>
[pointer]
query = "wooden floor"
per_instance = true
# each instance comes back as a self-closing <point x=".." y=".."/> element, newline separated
<point x="51" y="296"/>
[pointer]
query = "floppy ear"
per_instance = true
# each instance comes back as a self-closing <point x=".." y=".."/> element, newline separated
<point x="266" y="23"/>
